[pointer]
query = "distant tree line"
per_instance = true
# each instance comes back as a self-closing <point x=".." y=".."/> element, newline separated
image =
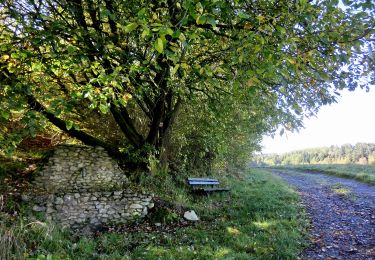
<point x="361" y="153"/>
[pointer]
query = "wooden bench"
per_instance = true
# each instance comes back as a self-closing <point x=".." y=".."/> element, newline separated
<point x="205" y="185"/>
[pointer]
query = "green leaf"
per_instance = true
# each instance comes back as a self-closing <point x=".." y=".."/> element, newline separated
<point x="130" y="27"/>
<point x="281" y="29"/>
<point x="146" y="32"/>
<point x="71" y="49"/>
<point x="201" y="19"/>
<point x="14" y="55"/>
<point x="169" y="31"/>
<point x="211" y="20"/>
<point x="174" y="70"/>
<point x="104" y="108"/>
<point x="324" y="76"/>
<point x="243" y="15"/>
<point x="36" y="67"/>
<point x="5" y="114"/>
<point x="159" y="45"/>
<point x="199" y="7"/>
<point x="142" y="12"/>
<point x="69" y="124"/>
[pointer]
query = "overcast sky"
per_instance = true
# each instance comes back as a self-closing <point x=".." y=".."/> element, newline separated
<point x="351" y="120"/>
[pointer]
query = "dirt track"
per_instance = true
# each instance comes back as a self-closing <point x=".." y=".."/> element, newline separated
<point x="342" y="213"/>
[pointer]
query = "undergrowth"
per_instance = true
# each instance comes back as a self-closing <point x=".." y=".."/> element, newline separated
<point x="260" y="218"/>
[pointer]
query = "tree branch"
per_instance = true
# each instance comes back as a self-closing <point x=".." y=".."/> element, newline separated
<point x="80" y="135"/>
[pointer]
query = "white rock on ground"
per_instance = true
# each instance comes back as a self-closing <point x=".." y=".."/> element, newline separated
<point x="191" y="215"/>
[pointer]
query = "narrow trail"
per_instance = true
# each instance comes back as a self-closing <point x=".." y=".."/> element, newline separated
<point x="342" y="213"/>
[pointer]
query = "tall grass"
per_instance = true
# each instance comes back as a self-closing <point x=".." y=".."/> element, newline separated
<point x="19" y="240"/>
<point x="11" y="246"/>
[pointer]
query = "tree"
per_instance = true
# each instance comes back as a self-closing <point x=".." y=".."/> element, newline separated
<point x="345" y="154"/>
<point x="116" y="73"/>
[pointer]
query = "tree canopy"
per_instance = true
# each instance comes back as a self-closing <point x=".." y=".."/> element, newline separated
<point x="120" y="74"/>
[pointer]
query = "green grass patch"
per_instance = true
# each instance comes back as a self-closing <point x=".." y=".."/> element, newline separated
<point x="363" y="173"/>
<point x="260" y="218"/>
<point x="342" y="191"/>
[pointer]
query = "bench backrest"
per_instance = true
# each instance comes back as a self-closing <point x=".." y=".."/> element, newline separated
<point x="203" y="181"/>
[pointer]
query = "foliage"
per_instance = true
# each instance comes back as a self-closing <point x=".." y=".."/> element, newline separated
<point x="118" y="73"/>
<point x="259" y="218"/>
<point x="361" y="153"/>
<point x="221" y="136"/>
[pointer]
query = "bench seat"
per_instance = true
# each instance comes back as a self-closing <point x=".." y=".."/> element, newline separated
<point x="205" y="185"/>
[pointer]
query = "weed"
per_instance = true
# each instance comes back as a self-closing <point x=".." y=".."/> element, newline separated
<point x="342" y="191"/>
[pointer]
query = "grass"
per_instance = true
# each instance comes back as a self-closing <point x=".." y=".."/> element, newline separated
<point x="363" y="173"/>
<point x="260" y="218"/>
<point x="342" y="191"/>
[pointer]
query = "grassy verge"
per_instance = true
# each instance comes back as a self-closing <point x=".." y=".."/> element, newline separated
<point x="364" y="173"/>
<point x="259" y="219"/>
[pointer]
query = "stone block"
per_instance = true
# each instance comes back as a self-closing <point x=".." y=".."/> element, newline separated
<point x="135" y="206"/>
<point x="68" y="198"/>
<point x="148" y="199"/>
<point x="39" y="208"/>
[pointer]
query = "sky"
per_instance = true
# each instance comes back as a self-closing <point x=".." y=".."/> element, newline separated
<point x="349" y="121"/>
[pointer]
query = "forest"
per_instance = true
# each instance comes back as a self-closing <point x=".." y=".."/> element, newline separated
<point x="360" y="153"/>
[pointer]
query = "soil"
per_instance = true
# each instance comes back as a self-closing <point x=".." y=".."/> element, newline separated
<point x="342" y="213"/>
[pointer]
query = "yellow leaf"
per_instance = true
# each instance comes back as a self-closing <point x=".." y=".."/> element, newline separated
<point x="233" y="231"/>
<point x="261" y="18"/>
<point x="184" y="65"/>
<point x="291" y="60"/>
<point x="252" y="81"/>
<point x="247" y="26"/>
<point x="126" y="97"/>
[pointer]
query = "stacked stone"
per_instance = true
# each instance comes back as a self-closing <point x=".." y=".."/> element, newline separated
<point x="86" y="187"/>
<point x="95" y="208"/>
<point x="81" y="168"/>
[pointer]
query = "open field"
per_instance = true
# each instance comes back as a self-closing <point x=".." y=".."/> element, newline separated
<point x="364" y="173"/>
<point x="259" y="218"/>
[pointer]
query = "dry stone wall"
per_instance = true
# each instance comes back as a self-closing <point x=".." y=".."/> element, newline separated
<point x="83" y="186"/>
<point x="80" y="168"/>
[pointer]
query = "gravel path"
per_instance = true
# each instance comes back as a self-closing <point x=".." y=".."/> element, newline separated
<point x="342" y="213"/>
